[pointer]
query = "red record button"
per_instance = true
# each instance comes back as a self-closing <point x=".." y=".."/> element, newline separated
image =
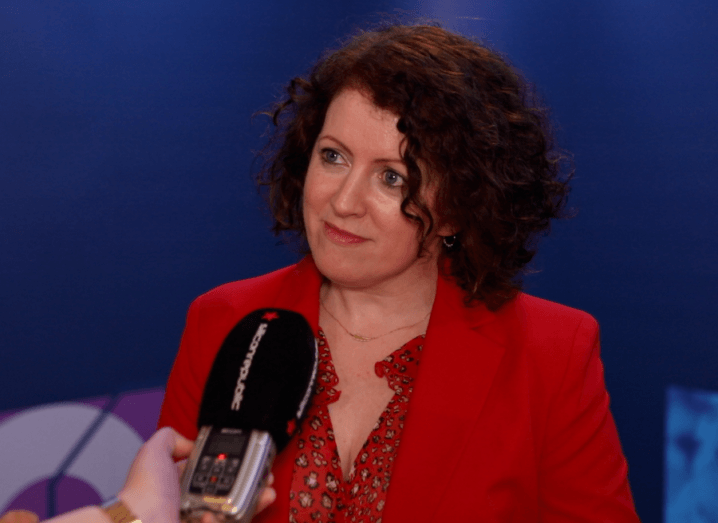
<point x="222" y="456"/>
<point x="213" y="479"/>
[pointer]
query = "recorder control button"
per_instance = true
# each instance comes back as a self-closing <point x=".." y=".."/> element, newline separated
<point x="205" y="464"/>
<point x="210" y="489"/>
<point x="199" y="480"/>
<point x="226" y="481"/>
<point x="232" y="466"/>
<point x="218" y="468"/>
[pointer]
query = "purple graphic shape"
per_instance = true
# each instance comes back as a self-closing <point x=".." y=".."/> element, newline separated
<point x="140" y="410"/>
<point x="100" y="402"/>
<point x="33" y="498"/>
<point x="72" y="493"/>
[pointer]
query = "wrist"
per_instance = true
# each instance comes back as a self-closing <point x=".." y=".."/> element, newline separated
<point x="116" y="510"/>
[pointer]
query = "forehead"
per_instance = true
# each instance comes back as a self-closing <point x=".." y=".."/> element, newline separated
<point x="353" y="117"/>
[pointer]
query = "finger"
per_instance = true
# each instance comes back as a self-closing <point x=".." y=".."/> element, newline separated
<point x="176" y="444"/>
<point x="182" y="446"/>
<point x="209" y="517"/>
<point x="19" y="516"/>
<point x="266" y="498"/>
<point x="181" y="466"/>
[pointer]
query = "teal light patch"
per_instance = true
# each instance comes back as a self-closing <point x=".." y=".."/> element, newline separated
<point x="691" y="466"/>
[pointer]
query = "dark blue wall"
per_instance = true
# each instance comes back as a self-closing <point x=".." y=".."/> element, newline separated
<point x="125" y="148"/>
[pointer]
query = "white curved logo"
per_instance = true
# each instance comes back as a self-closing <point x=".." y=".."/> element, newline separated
<point x="35" y="442"/>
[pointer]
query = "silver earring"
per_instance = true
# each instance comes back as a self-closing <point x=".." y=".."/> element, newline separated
<point x="450" y="241"/>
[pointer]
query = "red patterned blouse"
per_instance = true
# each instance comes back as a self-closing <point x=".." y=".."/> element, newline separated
<point x="319" y="493"/>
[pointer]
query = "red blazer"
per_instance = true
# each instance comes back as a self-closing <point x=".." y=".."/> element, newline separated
<point x="508" y="421"/>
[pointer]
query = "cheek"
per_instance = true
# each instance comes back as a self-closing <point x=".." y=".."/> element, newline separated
<point x="402" y="232"/>
<point x="317" y="190"/>
<point x="308" y="197"/>
<point x="312" y="198"/>
<point x="309" y="182"/>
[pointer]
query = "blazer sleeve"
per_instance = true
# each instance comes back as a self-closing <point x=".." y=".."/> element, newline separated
<point x="583" y="475"/>
<point x="183" y="394"/>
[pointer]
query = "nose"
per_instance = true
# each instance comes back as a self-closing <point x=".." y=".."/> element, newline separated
<point x="349" y="198"/>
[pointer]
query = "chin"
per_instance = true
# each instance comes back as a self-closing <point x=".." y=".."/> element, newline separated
<point x="341" y="273"/>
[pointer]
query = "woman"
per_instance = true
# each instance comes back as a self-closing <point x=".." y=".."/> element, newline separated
<point x="418" y="171"/>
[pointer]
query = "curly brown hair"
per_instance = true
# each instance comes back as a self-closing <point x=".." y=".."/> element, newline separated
<point x="467" y="116"/>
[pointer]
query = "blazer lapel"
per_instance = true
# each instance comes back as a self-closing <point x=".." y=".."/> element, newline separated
<point x="458" y="365"/>
<point x="300" y="292"/>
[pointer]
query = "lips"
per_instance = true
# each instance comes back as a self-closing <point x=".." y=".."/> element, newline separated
<point x="338" y="235"/>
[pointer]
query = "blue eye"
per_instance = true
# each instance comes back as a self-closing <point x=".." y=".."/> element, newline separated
<point x="393" y="179"/>
<point x="330" y="155"/>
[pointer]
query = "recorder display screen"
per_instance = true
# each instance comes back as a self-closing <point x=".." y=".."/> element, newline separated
<point x="227" y="443"/>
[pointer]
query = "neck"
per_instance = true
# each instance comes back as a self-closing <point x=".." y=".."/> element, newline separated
<point x="374" y="310"/>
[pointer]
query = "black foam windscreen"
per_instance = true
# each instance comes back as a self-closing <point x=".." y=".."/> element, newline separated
<point x="263" y="375"/>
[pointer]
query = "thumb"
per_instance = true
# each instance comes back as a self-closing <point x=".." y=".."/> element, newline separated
<point x="176" y="444"/>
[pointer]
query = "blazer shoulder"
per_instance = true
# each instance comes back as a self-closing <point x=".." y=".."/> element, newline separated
<point x="255" y="292"/>
<point x="534" y="309"/>
<point x="548" y="330"/>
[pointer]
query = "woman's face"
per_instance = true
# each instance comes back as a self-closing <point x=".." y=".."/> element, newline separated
<point x="352" y="197"/>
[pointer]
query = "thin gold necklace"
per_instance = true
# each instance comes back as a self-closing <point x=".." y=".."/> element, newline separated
<point x="359" y="337"/>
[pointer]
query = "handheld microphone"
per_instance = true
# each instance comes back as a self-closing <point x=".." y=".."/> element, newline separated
<point x="255" y="397"/>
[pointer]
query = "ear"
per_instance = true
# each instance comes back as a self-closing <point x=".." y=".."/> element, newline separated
<point x="447" y="229"/>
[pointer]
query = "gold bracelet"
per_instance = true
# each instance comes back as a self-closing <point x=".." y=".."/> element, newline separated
<point x="118" y="511"/>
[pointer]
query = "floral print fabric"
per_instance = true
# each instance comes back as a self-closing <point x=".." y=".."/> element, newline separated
<point x="319" y="492"/>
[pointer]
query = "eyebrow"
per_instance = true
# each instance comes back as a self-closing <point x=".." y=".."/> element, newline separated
<point x="345" y="147"/>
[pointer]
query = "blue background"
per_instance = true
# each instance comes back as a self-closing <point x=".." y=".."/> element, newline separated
<point x="126" y="144"/>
